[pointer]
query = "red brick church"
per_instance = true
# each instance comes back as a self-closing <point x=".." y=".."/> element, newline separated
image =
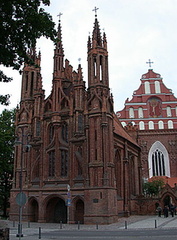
<point x="150" y="116"/>
<point x="81" y="165"/>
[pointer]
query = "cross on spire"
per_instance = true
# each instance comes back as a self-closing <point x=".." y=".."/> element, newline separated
<point x="149" y="62"/>
<point x="59" y="15"/>
<point x="95" y="10"/>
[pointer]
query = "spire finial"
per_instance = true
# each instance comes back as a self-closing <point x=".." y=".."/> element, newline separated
<point x="95" y="10"/>
<point x="59" y="15"/>
<point x="79" y="60"/>
<point x="149" y="62"/>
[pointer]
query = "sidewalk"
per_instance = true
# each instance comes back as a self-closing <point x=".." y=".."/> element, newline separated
<point x="31" y="230"/>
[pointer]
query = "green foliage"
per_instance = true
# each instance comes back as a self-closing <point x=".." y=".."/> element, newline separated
<point x="153" y="187"/>
<point x="7" y="138"/>
<point x="22" y="23"/>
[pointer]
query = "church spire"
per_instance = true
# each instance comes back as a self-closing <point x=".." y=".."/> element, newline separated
<point x="96" y="37"/>
<point x="97" y="57"/>
<point x="58" y="52"/>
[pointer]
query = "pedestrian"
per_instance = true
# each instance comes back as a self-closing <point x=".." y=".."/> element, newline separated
<point x="172" y="208"/>
<point x="165" y="211"/>
<point x="159" y="210"/>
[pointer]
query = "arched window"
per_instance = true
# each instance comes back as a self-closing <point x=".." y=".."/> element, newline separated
<point x="170" y="124"/>
<point x="161" y="124"/>
<point x="65" y="131"/>
<point x="141" y="125"/>
<point x="151" y="125"/>
<point x="140" y="112"/>
<point x="131" y="112"/>
<point x="51" y="163"/>
<point x="51" y="133"/>
<point x="157" y="87"/>
<point x="158" y="160"/>
<point x="147" y="88"/>
<point x="64" y="163"/>
<point x="168" y="111"/>
<point x="123" y="124"/>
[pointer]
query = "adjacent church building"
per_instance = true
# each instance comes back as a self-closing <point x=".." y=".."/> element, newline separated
<point x="73" y="159"/>
<point x="151" y="118"/>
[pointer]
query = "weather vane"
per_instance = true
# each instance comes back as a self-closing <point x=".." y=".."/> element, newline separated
<point x="149" y="62"/>
<point x="79" y="59"/>
<point x="95" y="10"/>
<point x="59" y="15"/>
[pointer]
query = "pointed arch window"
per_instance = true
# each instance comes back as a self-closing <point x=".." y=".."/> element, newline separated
<point x="158" y="160"/>
<point x="51" y="163"/>
<point x="51" y="133"/>
<point x="64" y="163"/>
<point x="65" y="132"/>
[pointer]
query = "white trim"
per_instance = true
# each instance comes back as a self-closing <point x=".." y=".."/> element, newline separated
<point x="158" y="145"/>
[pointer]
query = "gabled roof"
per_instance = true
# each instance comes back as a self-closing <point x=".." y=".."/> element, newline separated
<point x="118" y="129"/>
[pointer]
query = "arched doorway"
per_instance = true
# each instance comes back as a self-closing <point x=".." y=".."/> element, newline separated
<point x="33" y="210"/>
<point x="79" y="212"/>
<point x="167" y="200"/>
<point x="56" y="210"/>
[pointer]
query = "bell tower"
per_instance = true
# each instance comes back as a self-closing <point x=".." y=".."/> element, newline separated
<point x="101" y="192"/>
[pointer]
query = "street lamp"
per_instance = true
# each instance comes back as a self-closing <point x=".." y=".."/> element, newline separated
<point x="21" y="197"/>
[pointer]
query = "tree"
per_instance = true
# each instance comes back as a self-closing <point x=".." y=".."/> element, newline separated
<point x="22" y="23"/>
<point x="7" y="138"/>
<point x="153" y="187"/>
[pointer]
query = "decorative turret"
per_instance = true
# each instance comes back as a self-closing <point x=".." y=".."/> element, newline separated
<point x="58" y="53"/>
<point x="97" y="57"/>
<point x="31" y="79"/>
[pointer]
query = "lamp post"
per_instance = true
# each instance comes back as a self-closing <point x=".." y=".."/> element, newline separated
<point x="21" y="197"/>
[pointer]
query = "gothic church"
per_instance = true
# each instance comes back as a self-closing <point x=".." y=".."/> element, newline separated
<point x="81" y="164"/>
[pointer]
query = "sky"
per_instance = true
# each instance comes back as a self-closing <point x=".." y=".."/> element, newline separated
<point x="136" y="30"/>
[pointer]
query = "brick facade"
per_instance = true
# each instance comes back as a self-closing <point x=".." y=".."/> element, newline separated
<point x="150" y="117"/>
<point x="79" y="153"/>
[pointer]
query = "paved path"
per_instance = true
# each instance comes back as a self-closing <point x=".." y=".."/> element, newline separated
<point x="133" y="222"/>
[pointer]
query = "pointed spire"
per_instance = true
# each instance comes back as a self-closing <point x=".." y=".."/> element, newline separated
<point x="58" y="52"/>
<point x="96" y="36"/>
<point x="59" y="44"/>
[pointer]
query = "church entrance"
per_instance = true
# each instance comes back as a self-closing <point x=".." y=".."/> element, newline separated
<point x="167" y="200"/>
<point x="79" y="212"/>
<point x="56" y="211"/>
<point x="33" y="210"/>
